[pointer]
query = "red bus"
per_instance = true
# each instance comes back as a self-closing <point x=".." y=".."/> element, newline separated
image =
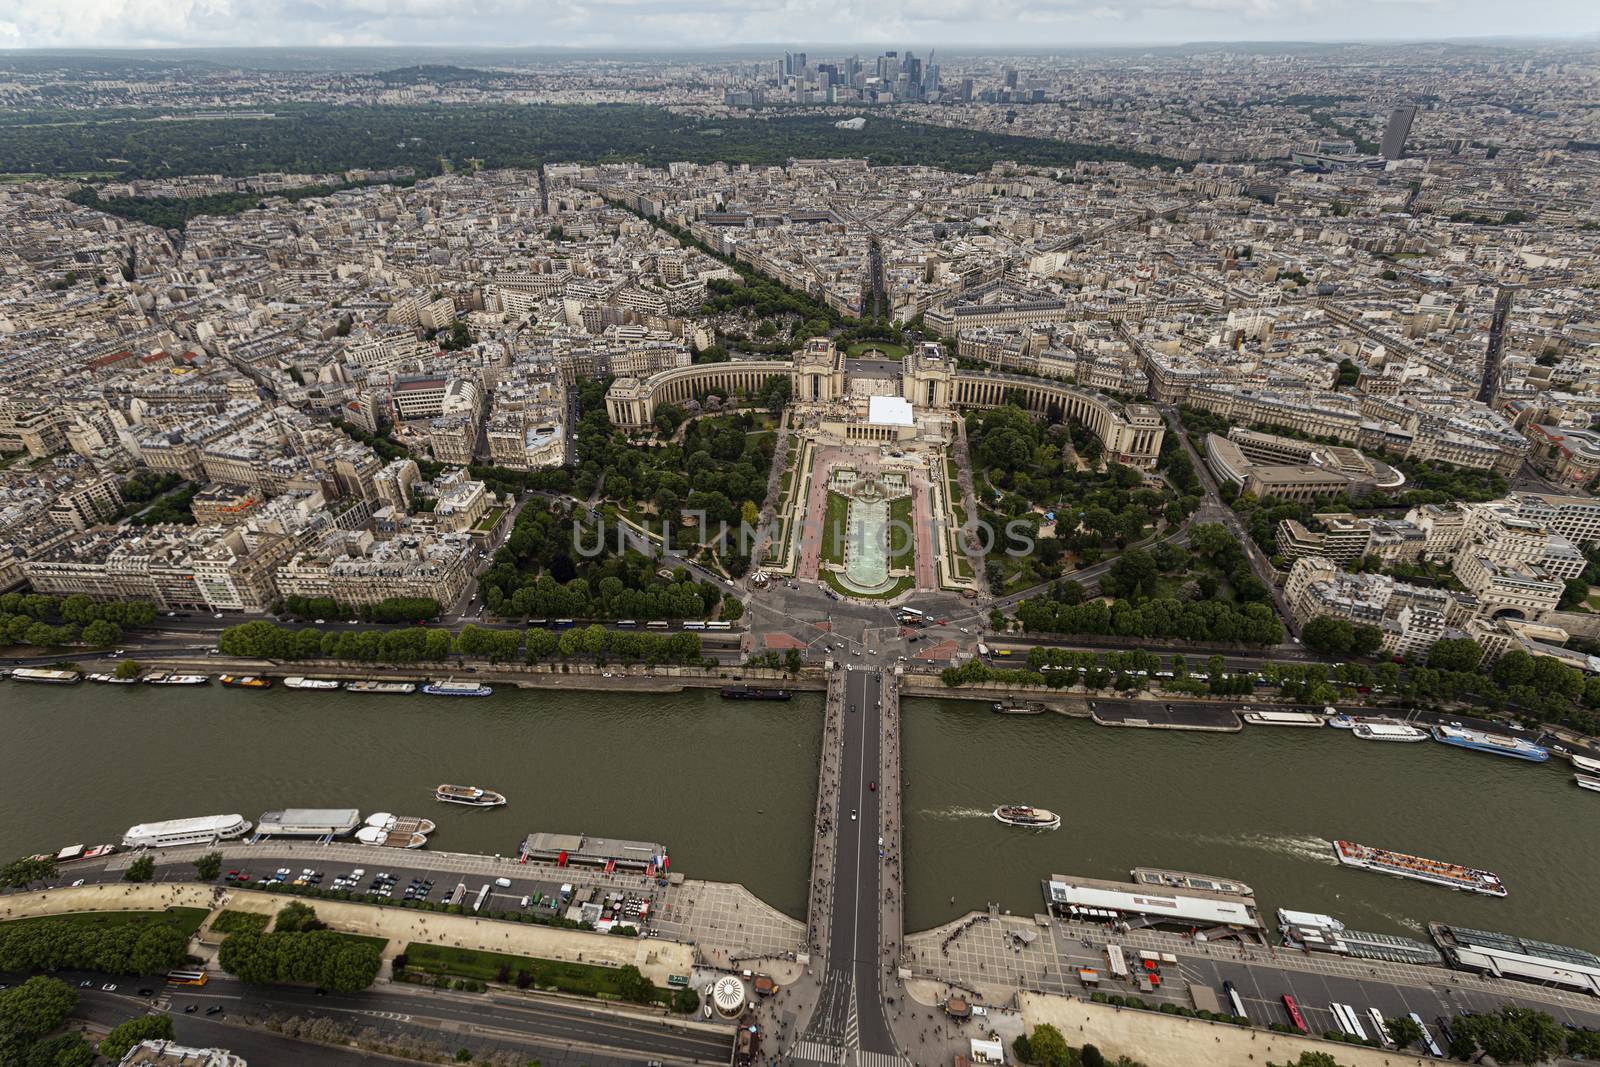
<point x="1294" y="1014"/>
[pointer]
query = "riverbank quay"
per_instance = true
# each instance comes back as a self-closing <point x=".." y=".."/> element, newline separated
<point x="1151" y="1037"/>
<point x="620" y="677"/>
<point x="715" y="924"/>
<point x="997" y="957"/>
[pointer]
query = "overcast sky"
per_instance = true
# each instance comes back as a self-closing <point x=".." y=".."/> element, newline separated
<point x="716" y="23"/>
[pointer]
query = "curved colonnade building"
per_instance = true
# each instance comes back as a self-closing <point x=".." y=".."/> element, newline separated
<point x="1130" y="433"/>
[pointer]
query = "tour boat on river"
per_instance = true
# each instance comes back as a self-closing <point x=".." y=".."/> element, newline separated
<point x="1587" y="781"/>
<point x="470" y="795"/>
<point x="1498" y="744"/>
<point x="1418" y="868"/>
<point x="1030" y="818"/>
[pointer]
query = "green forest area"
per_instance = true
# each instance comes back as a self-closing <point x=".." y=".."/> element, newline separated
<point x="324" y="139"/>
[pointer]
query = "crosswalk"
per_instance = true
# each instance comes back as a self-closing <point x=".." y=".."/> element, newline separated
<point x="820" y="1052"/>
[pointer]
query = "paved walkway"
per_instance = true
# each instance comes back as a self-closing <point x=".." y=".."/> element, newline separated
<point x="1153" y="1038"/>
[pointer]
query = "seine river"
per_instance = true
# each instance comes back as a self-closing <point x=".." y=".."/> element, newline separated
<point x="1262" y="806"/>
<point x="730" y="786"/>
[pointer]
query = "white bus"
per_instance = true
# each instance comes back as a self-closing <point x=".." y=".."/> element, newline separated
<point x="1235" y="1002"/>
<point x="913" y="613"/>
<point x="1380" y="1026"/>
<point x="659" y="624"/>
<point x="1427" y="1038"/>
<point x="719" y="626"/>
<point x="692" y="625"/>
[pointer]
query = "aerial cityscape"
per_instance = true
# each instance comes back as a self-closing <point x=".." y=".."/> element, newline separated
<point x="900" y="510"/>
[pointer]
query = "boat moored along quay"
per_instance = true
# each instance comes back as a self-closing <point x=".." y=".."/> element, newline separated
<point x="367" y="685"/>
<point x="1419" y="868"/>
<point x="1388" y="730"/>
<point x="245" y="681"/>
<point x="171" y="678"/>
<point x="747" y="692"/>
<point x="452" y="688"/>
<point x="101" y="678"/>
<point x="308" y="822"/>
<point x="395" y="831"/>
<point x="46" y="677"/>
<point x="200" y="830"/>
<point x="470" y="795"/>
<point x="1027" y="817"/>
<point x="1587" y="781"/>
<point x="297" y="682"/>
<point x="1497" y="744"/>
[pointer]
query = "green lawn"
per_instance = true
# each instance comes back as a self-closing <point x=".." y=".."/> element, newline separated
<point x="886" y="349"/>
<point x="582" y="979"/>
<point x="835" y="528"/>
<point x="379" y="943"/>
<point x="240" y="922"/>
<point x="490" y="517"/>
<point x="186" y="919"/>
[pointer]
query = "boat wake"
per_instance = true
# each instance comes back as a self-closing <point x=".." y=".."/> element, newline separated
<point x="957" y="813"/>
<point x="1308" y="847"/>
<point x="1405" y="921"/>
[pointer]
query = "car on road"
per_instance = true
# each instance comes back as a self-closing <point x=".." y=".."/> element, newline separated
<point x="109" y="987"/>
<point x="852" y="814"/>
<point x="321" y="622"/>
<point x="191" y="1009"/>
<point x="77" y="883"/>
<point x="852" y="709"/>
<point x="147" y="992"/>
<point x="872" y="787"/>
<point x="87" y="983"/>
<point x="215" y="1009"/>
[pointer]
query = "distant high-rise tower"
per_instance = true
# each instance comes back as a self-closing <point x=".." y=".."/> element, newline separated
<point x="1399" y="128"/>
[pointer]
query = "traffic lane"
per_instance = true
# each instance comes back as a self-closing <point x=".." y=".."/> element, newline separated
<point x="874" y="1021"/>
<point x="534" y="1018"/>
<point x="199" y="1031"/>
<point x="847" y="853"/>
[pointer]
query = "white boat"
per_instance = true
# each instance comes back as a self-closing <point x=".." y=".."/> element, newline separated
<point x="1386" y="730"/>
<point x="201" y="830"/>
<point x="298" y="682"/>
<point x="111" y="679"/>
<point x="368" y="686"/>
<point x="1026" y="817"/>
<point x="168" y="678"/>
<point x="452" y="688"/>
<point x="469" y="795"/>
<point x="1587" y="781"/>
<point x="395" y="831"/>
<point x="46" y="677"/>
<point x="1585" y="763"/>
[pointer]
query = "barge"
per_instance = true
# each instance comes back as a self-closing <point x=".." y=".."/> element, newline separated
<point x="452" y="688"/>
<point x="46" y="677"/>
<point x="745" y="692"/>
<point x="366" y="685"/>
<point x="245" y="681"/>
<point x="1419" y="868"/>
<point x="297" y="682"/>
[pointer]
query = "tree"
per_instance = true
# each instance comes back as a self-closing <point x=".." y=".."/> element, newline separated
<point x="635" y="986"/>
<point x="1046" y="1046"/>
<point x="1405" y="1031"/>
<point x="207" y="867"/>
<point x="21" y="873"/>
<point x="102" y="634"/>
<point x="140" y="870"/>
<point x="1511" y="1035"/>
<point x="145" y="1028"/>
<point x="1455" y="654"/>
<point x="127" y="669"/>
<point x="1310" y="1059"/>
<point x="35" y="1008"/>
<point x="295" y="917"/>
<point x="1329" y="635"/>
